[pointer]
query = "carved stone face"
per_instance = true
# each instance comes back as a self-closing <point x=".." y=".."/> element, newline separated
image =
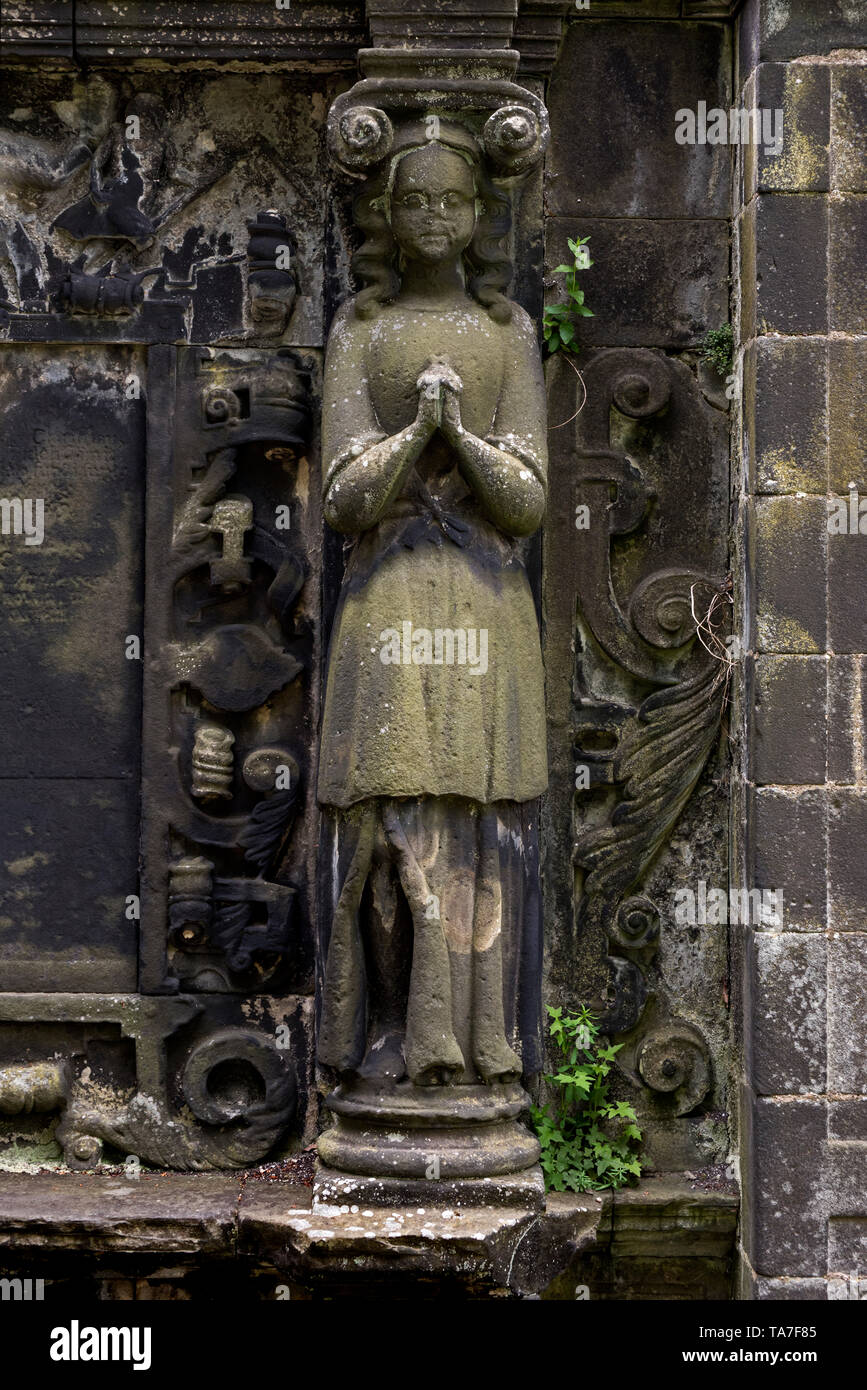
<point x="433" y="205"/>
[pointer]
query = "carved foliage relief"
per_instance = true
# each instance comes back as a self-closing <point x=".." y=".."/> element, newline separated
<point x="636" y="555"/>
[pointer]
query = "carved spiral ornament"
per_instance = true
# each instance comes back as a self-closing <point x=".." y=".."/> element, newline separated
<point x="661" y="608"/>
<point x="235" y="1073"/>
<point x="360" y="137"/>
<point x="674" y="1060"/>
<point x="222" y="406"/>
<point x="642" y="391"/>
<point x="636" y="923"/>
<point x="515" y="137"/>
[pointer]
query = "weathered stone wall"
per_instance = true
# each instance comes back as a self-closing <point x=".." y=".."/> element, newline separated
<point x="158" y="357"/>
<point x="800" y="229"/>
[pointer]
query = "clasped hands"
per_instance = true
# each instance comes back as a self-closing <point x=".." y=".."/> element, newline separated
<point x="439" y="388"/>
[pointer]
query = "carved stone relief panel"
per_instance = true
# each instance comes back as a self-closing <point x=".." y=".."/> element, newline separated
<point x="174" y="238"/>
<point x="162" y="209"/>
<point x="635" y="560"/>
<point x="182" y="1082"/>
<point x="157" y="900"/>
<point x="230" y="687"/>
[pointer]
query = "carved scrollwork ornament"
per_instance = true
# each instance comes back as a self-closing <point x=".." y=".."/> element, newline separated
<point x="221" y="406"/>
<point x="661" y="610"/>
<point x="515" y="137"/>
<point x="639" y="393"/>
<point x="636" y="923"/>
<point x="236" y="1083"/>
<point x="360" y="137"/>
<point x="234" y="1074"/>
<point x="674" y="1060"/>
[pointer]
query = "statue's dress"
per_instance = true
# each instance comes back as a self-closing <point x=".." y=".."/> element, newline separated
<point x="435" y="764"/>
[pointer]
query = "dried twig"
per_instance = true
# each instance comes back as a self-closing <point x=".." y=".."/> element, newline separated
<point x="583" y="403"/>
<point x="708" y="626"/>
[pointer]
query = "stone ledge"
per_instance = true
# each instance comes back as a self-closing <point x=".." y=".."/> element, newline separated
<point x="324" y="31"/>
<point x="87" y="1212"/>
<point x="665" y="1235"/>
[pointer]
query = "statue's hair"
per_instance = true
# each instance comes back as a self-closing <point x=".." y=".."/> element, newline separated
<point x="489" y="265"/>
<point x="375" y="263"/>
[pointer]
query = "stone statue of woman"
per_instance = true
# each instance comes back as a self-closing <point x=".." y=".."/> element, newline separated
<point x="433" y="744"/>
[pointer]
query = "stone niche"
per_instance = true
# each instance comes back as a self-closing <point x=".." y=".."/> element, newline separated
<point x="185" y="214"/>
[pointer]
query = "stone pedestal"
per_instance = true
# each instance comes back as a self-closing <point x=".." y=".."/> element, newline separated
<point x="521" y="1191"/>
<point x="428" y="1133"/>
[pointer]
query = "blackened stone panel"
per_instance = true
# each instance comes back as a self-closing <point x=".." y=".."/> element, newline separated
<point x="847" y="963"/>
<point x="782" y="29"/>
<point x="847" y="414"/>
<point x="68" y="863"/>
<point x="791" y="537"/>
<point x="791" y="844"/>
<point x="791" y="263"/>
<point x="786" y="413"/>
<point x="788" y="1219"/>
<point x="72" y="439"/>
<point x="844" y="715"/>
<point x="790" y="720"/>
<point x="639" y="76"/>
<point x="803" y="95"/>
<point x="847" y="1243"/>
<point x="847" y="864"/>
<point x="653" y="283"/>
<point x="847" y="1119"/>
<point x="847" y="573"/>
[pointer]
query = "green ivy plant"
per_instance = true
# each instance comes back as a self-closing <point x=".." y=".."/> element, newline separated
<point x="588" y="1142"/>
<point x="560" y="321"/>
<point x="717" y="348"/>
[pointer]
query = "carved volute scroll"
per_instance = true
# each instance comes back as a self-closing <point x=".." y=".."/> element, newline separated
<point x="433" y="742"/>
<point x="633" y="559"/>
